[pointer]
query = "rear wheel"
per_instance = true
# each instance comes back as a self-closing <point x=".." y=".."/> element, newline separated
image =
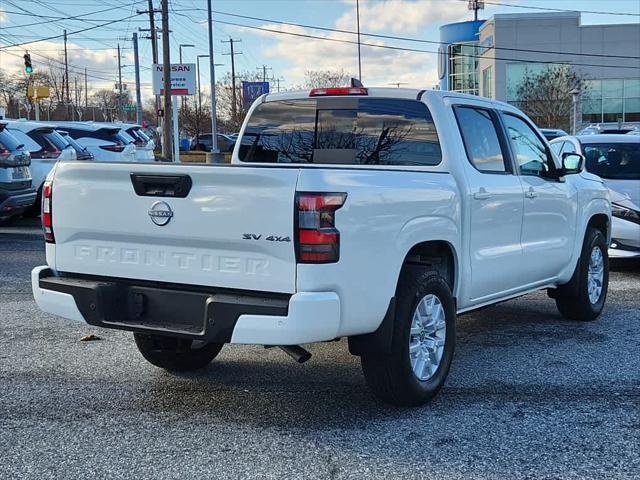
<point x="422" y="345"/>
<point x="34" y="210"/>
<point x="593" y="280"/>
<point x="176" y="354"/>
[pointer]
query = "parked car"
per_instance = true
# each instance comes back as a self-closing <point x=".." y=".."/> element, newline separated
<point x="16" y="191"/>
<point x="144" y="144"/>
<point x="551" y="133"/>
<point x="613" y="128"/>
<point x="81" y="152"/>
<point x="616" y="159"/>
<point x="203" y="142"/>
<point x="46" y="147"/>
<point x="103" y="140"/>
<point x="372" y="214"/>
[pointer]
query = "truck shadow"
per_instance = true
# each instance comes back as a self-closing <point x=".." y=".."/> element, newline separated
<point x="508" y="351"/>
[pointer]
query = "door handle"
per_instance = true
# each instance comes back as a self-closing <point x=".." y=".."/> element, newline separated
<point x="531" y="193"/>
<point x="481" y="194"/>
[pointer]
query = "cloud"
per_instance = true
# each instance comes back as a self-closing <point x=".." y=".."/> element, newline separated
<point x="402" y="15"/>
<point x="380" y="66"/>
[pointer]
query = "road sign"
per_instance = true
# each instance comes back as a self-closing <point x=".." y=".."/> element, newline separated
<point x="183" y="79"/>
<point x="252" y="90"/>
<point x="40" y="92"/>
<point x="129" y="107"/>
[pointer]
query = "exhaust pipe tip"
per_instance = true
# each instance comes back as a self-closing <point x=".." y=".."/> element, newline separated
<point x="296" y="352"/>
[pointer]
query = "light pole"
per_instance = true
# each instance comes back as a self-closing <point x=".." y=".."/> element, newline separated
<point x="574" y="96"/>
<point x="183" y="45"/>
<point x="199" y="112"/>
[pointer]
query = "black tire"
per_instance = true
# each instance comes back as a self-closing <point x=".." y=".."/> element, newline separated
<point x="176" y="354"/>
<point x="580" y="307"/>
<point x="391" y="376"/>
<point x="34" y="210"/>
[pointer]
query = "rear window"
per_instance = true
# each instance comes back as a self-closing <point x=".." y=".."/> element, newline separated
<point x="108" y="134"/>
<point x="613" y="160"/>
<point x="347" y="131"/>
<point x="49" y="139"/>
<point x="8" y="142"/>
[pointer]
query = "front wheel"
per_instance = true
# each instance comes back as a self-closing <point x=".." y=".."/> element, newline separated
<point x="176" y="354"/>
<point x="423" y="342"/>
<point x="593" y="280"/>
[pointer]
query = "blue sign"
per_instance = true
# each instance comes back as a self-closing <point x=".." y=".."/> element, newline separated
<point x="252" y="90"/>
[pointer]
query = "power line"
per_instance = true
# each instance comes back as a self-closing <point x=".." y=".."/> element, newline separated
<point x="412" y="39"/>
<point x="414" y="50"/>
<point x="53" y="37"/>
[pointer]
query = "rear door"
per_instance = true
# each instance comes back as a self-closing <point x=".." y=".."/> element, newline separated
<point x="232" y="228"/>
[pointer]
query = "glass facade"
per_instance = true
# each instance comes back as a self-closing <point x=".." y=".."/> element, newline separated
<point x="487" y="82"/>
<point x="516" y="72"/>
<point x="463" y="68"/>
<point x="611" y="100"/>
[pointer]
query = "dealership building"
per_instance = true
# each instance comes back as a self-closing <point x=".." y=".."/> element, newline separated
<point x="490" y="58"/>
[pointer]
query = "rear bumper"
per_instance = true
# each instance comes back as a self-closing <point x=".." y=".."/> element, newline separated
<point x="211" y="315"/>
<point x="14" y="202"/>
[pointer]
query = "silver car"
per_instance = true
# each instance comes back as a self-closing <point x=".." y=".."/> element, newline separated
<point x="616" y="159"/>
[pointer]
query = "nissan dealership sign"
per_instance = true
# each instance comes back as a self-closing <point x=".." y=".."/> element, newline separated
<point x="183" y="79"/>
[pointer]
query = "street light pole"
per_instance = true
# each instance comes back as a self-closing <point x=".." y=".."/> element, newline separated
<point x="167" y="149"/>
<point x="359" y="59"/>
<point x="185" y="45"/>
<point x="574" y="96"/>
<point x="212" y="73"/>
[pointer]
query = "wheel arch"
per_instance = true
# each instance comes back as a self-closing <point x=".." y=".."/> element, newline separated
<point x="438" y="255"/>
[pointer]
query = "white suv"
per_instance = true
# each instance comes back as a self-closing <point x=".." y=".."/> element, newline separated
<point x="46" y="147"/>
<point x="105" y="141"/>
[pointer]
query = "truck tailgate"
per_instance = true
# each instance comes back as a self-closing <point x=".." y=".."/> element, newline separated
<point x="234" y="228"/>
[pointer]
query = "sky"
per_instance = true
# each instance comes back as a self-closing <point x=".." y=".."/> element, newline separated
<point x="286" y="56"/>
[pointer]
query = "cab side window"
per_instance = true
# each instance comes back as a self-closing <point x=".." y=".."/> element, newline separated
<point x="481" y="141"/>
<point x="557" y="147"/>
<point x="528" y="148"/>
<point x="568" y="147"/>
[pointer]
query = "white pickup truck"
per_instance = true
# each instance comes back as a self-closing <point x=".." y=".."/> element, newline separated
<point x="372" y="214"/>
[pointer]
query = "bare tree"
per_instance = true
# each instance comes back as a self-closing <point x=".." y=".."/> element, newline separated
<point x="546" y="97"/>
<point x="326" y="78"/>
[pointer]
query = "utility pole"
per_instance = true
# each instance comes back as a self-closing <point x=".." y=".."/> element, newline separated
<point x="359" y="58"/>
<point x="136" y="61"/>
<point x="278" y="80"/>
<point x="264" y="69"/>
<point x="119" y="83"/>
<point x="212" y="78"/>
<point x="66" y="72"/>
<point x="166" y="74"/>
<point x="154" y="47"/>
<point x="77" y="105"/>
<point x="86" y="90"/>
<point x="233" y="75"/>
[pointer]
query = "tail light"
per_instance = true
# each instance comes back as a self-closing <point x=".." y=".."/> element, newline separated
<point x="46" y="154"/>
<point x="47" y="223"/>
<point x="338" y="91"/>
<point x="318" y="239"/>
<point x="113" y="148"/>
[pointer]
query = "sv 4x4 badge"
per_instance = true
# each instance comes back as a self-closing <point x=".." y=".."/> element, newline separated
<point x="270" y="238"/>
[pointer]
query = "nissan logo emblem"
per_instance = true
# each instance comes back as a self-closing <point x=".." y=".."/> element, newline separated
<point x="161" y="213"/>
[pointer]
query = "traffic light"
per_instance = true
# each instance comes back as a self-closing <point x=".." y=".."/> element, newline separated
<point x="27" y="64"/>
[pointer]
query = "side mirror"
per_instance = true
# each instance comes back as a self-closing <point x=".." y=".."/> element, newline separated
<point x="571" y="163"/>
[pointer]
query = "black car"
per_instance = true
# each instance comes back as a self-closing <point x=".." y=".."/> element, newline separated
<point x="202" y="142"/>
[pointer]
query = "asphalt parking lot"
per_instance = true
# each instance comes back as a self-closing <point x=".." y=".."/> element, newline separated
<point x="530" y="395"/>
